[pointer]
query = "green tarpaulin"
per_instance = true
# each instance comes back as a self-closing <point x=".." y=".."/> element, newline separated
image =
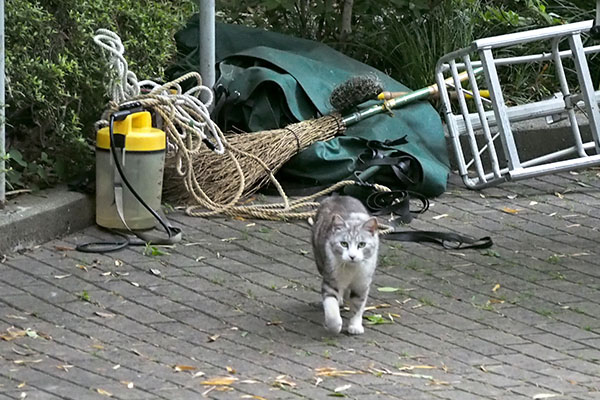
<point x="271" y="80"/>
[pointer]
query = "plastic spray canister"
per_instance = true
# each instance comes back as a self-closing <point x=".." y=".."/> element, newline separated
<point x="141" y="152"/>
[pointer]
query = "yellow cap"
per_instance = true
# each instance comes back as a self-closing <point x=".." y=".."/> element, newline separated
<point x="138" y="131"/>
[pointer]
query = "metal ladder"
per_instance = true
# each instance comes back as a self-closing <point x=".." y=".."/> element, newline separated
<point x="475" y="131"/>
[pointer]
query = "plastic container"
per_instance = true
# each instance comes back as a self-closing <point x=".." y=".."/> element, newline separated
<point x="142" y="159"/>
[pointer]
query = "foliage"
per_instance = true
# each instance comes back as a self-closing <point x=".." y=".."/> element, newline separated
<point x="55" y="76"/>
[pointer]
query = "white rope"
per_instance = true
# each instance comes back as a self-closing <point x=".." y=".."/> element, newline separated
<point x="189" y="114"/>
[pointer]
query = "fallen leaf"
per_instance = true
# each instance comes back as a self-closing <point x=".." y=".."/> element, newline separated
<point x="181" y="368"/>
<point x="496" y="287"/>
<point x="12" y="316"/>
<point x="118" y="263"/>
<point x="155" y="271"/>
<point x="98" y="346"/>
<point x="560" y="196"/>
<point x="509" y="210"/>
<point x="104" y="392"/>
<point x="483" y="368"/>
<point x="64" y="248"/>
<point x="230" y="370"/>
<point x="411" y="367"/>
<point x="387" y="289"/>
<point x="220" y="381"/>
<point x="213" y="338"/>
<point x="544" y="396"/>
<point x="64" y="367"/>
<point x="104" y="314"/>
<point x="128" y="384"/>
<point x="249" y="381"/>
<point x="250" y="396"/>
<point x="282" y="381"/>
<point x="20" y="362"/>
<point x="135" y="284"/>
<point x="340" y="389"/>
<point x="375" y="307"/>
<point x="31" y="333"/>
<point x="496" y="301"/>
<point x="83" y="267"/>
<point x="62" y="276"/>
<point x="198" y="374"/>
<point x="333" y="372"/>
<point x="511" y="196"/>
<point x="106" y="273"/>
<point x="21" y="385"/>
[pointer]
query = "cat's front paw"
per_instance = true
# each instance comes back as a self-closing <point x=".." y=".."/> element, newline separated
<point x="333" y="325"/>
<point x="356" y="329"/>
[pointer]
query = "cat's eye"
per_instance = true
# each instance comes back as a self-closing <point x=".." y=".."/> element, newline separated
<point x="361" y="245"/>
<point x="344" y="244"/>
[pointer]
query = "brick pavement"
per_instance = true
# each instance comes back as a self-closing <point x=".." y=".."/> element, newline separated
<point x="239" y="299"/>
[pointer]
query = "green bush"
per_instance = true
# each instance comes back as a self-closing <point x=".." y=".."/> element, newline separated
<point x="56" y="76"/>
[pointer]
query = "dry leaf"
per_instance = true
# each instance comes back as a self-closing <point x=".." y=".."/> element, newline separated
<point x="340" y="389"/>
<point x="198" y="374"/>
<point x="509" y="210"/>
<point x="250" y="396"/>
<point x="230" y="370"/>
<point x="104" y="392"/>
<point x="560" y="196"/>
<point x="118" y="263"/>
<point x="19" y="362"/>
<point x="282" y="381"/>
<point x="482" y="367"/>
<point x="65" y="367"/>
<point x="375" y="307"/>
<point x="213" y="338"/>
<point x="64" y="248"/>
<point x="106" y="273"/>
<point x="331" y="372"/>
<point x="249" y="381"/>
<point x="220" y="381"/>
<point x="155" y="271"/>
<point x="128" y="384"/>
<point x="16" y="317"/>
<point x="411" y="367"/>
<point x="180" y="368"/>
<point x="21" y="385"/>
<point x="83" y="267"/>
<point x="496" y="301"/>
<point x="98" y="346"/>
<point x="496" y="287"/>
<point x="104" y="314"/>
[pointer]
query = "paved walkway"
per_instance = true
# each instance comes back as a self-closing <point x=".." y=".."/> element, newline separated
<point x="239" y="301"/>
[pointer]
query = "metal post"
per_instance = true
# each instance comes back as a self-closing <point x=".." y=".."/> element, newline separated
<point x="206" y="45"/>
<point x="2" y="110"/>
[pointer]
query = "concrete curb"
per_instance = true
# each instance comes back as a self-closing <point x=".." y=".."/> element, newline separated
<point x="35" y="218"/>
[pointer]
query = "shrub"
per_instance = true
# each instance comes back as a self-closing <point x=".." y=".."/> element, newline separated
<point x="55" y="76"/>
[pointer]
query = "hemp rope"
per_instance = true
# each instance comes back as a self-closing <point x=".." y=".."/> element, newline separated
<point x="186" y="121"/>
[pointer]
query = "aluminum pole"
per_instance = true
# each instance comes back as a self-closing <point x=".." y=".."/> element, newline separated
<point x="2" y="110"/>
<point x="206" y="41"/>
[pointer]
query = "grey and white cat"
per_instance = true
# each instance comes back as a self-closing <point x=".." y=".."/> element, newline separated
<point x="345" y="245"/>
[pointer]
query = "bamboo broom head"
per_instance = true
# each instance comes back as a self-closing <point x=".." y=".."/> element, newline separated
<point x="217" y="174"/>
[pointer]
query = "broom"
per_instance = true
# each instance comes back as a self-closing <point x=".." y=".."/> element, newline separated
<point x="256" y="157"/>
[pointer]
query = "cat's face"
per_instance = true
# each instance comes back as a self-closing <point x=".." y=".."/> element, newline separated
<point x="353" y="241"/>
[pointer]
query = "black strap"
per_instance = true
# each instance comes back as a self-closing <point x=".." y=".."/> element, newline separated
<point x="448" y="240"/>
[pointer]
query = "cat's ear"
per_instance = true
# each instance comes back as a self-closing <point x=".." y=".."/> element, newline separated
<point x="371" y="225"/>
<point x="337" y="222"/>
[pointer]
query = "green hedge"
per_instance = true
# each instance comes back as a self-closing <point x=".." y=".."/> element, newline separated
<point x="55" y="76"/>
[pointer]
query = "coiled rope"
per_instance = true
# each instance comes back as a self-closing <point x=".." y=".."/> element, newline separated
<point x="187" y="123"/>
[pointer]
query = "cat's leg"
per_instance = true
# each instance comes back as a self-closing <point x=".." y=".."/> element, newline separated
<point x="358" y="300"/>
<point x="331" y="307"/>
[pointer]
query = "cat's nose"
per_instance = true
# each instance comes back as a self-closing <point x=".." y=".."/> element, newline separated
<point x="352" y="257"/>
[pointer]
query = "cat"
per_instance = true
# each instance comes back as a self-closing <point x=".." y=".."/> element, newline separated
<point x="345" y="244"/>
